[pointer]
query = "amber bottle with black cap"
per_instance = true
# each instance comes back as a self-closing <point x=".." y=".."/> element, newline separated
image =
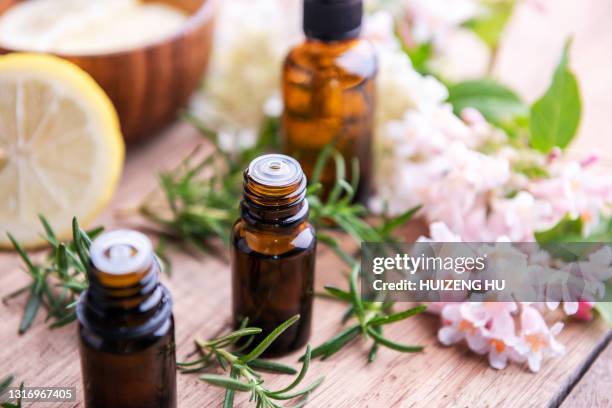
<point x="126" y="327"/>
<point x="329" y="91"/>
<point x="273" y="252"/>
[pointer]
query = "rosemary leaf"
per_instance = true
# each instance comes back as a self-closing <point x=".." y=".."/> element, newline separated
<point x="31" y="310"/>
<point x="301" y="375"/>
<point x="391" y="344"/>
<point x="243" y="376"/>
<point x="272" y="366"/>
<point x="228" y="383"/>
<point x="300" y="393"/>
<point x="263" y="346"/>
<point x="5" y="383"/>
<point x="396" y="317"/>
<point x="338" y="293"/>
<point x="336" y="343"/>
<point x="228" y="400"/>
<point x="58" y="280"/>
<point x="374" y="349"/>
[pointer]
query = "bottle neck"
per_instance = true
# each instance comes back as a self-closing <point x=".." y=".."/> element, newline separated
<point x="274" y="207"/>
<point x="327" y="39"/>
<point x="123" y="306"/>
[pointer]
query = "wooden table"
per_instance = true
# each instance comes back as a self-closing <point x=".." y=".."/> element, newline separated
<point x="437" y="377"/>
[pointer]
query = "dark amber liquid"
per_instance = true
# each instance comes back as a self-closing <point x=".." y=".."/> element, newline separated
<point x="127" y="344"/>
<point x="273" y="280"/>
<point x="129" y="374"/>
<point x="329" y="97"/>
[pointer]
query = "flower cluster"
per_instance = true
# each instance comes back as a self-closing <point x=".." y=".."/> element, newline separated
<point x="245" y="70"/>
<point x="419" y="138"/>
<point x="517" y="331"/>
<point x="491" y="329"/>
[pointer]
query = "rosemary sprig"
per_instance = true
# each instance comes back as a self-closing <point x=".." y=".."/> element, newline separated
<point x="371" y="317"/>
<point x="58" y="280"/>
<point x="243" y="368"/>
<point x="200" y="196"/>
<point x="5" y="383"/>
<point x="4" y="386"/>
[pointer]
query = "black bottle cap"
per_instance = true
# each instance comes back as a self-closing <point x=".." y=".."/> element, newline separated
<point x="332" y="20"/>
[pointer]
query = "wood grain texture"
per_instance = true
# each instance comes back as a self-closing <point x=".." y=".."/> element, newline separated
<point x="594" y="389"/>
<point x="148" y="85"/>
<point x="437" y="377"/>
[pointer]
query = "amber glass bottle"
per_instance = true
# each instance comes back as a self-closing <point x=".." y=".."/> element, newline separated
<point x="273" y="252"/>
<point x="126" y="327"/>
<point x="329" y="91"/>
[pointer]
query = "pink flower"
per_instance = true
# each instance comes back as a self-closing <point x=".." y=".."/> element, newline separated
<point x="458" y="326"/>
<point x="537" y="340"/>
<point x="502" y="340"/>
<point x="585" y="310"/>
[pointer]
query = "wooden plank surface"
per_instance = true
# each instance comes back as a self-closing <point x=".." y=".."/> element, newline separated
<point x="595" y="388"/>
<point x="437" y="377"/>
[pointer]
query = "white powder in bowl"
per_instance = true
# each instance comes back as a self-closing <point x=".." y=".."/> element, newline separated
<point x="86" y="27"/>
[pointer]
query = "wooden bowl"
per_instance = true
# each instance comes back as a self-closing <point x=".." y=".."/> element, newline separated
<point x="150" y="84"/>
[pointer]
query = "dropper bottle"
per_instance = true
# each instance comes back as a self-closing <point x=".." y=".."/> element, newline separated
<point x="273" y="252"/>
<point x="126" y="327"/>
<point x="329" y="92"/>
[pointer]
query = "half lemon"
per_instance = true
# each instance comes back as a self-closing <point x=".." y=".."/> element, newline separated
<point x="61" y="149"/>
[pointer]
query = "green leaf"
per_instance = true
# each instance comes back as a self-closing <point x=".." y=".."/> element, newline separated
<point x="5" y="383"/>
<point x="394" y="223"/>
<point x="396" y="317"/>
<point x="567" y="230"/>
<point x="31" y="310"/>
<point x="225" y="382"/>
<point x="22" y="253"/>
<point x="355" y="295"/>
<point x="229" y="338"/>
<point x="564" y="240"/>
<point x="228" y="400"/>
<point x="404" y="348"/>
<point x="265" y="343"/>
<point x="321" y="162"/>
<point x="374" y="349"/>
<point x="303" y="371"/>
<point x="555" y="117"/>
<point x="65" y="320"/>
<point x="497" y="103"/>
<point x="305" y="391"/>
<point x="490" y="26"/>
<point x="420" y="56"/>
<point x="338" y="293"/>
<point x="335" y="343"/>
<point x="51" y="237"/>
<point x="267" y="365"/>
<point x="78" y="238"/>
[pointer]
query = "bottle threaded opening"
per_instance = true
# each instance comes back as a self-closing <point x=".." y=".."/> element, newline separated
<point x="121" y="252"/>
<point x="274" y="190"/>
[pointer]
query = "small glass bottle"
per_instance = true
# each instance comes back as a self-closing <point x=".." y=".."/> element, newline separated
<point x="126" y="327"/>
<point x="329" y="91"/>
<point x="273" y="252"/>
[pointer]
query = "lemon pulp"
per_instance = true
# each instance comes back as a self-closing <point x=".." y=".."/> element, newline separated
<point x="61" y="150"/>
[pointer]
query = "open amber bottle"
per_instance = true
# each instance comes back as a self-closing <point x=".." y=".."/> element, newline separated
<point x="329" y="91"/>
<point x="126" y="327"/>
<point x="273" y="252"/>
